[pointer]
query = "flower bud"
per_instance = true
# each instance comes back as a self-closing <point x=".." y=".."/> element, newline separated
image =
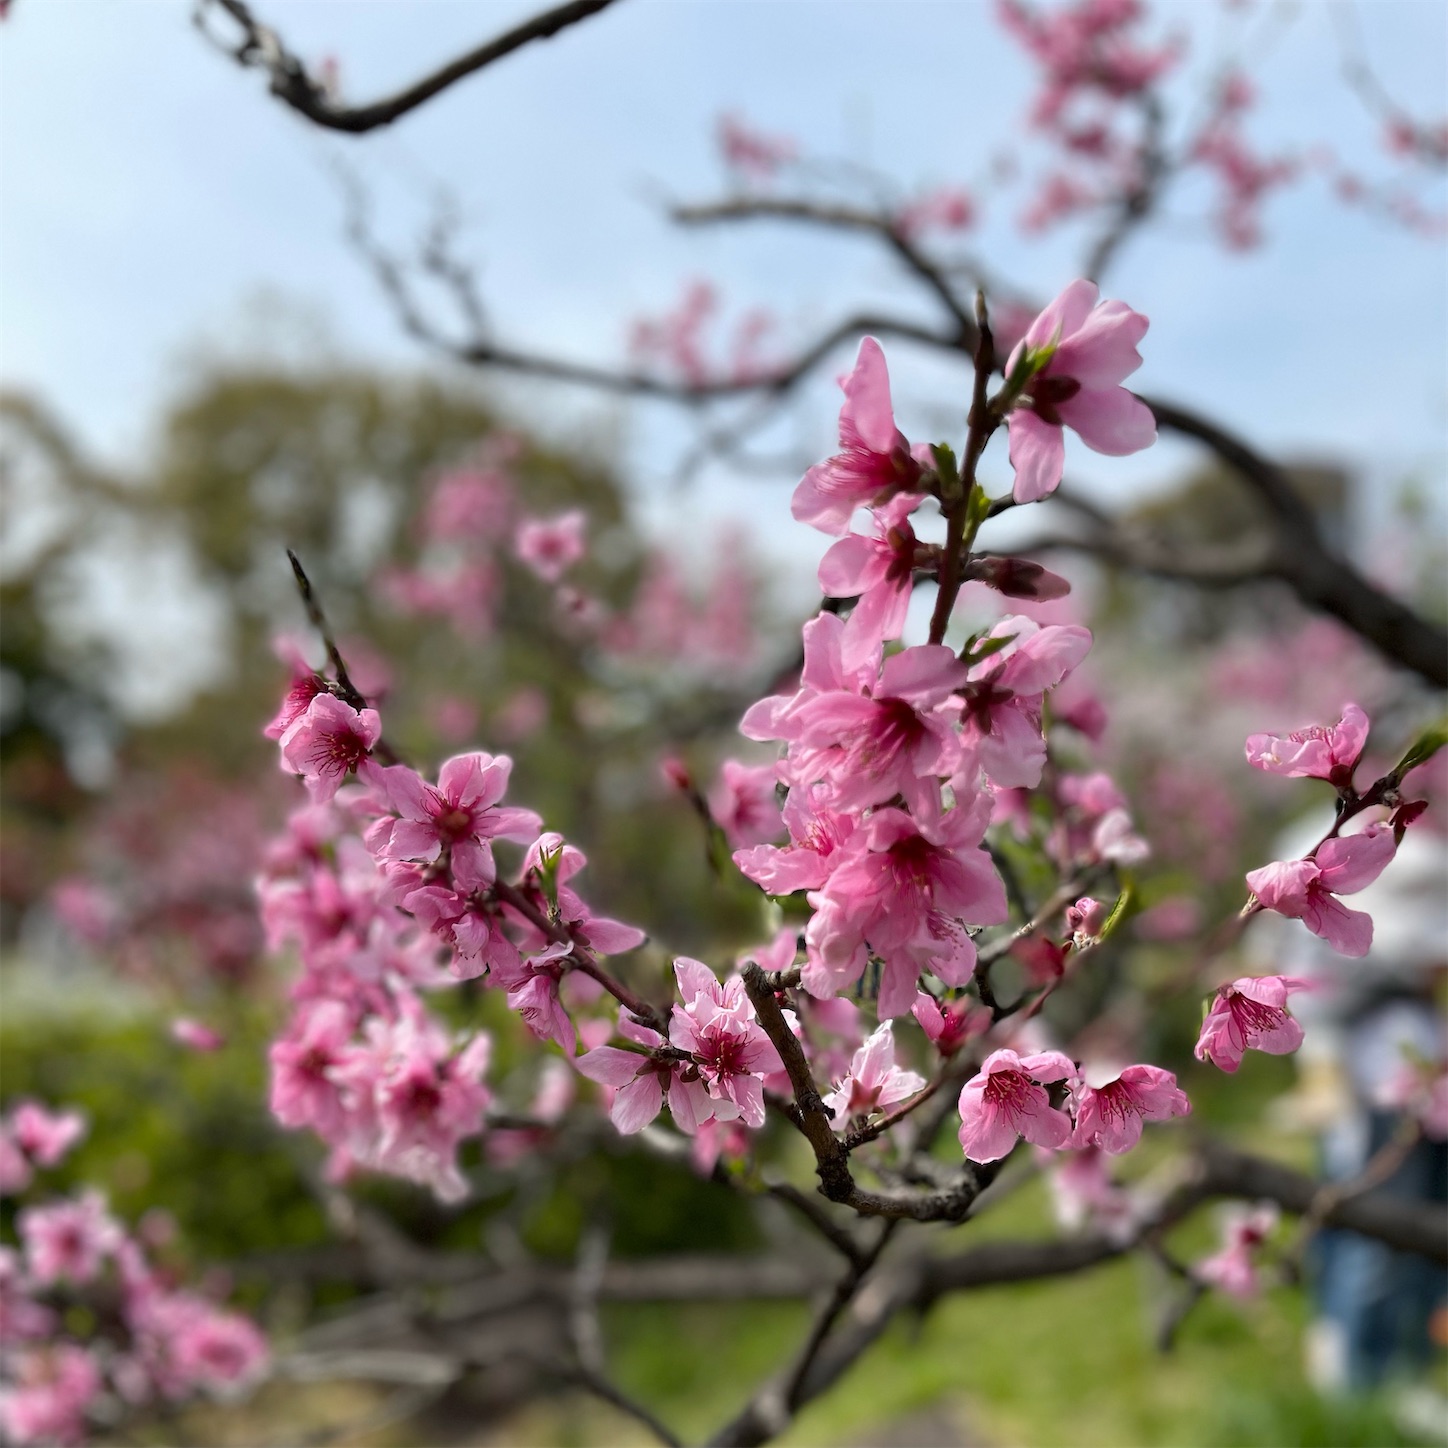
<point x="1019" y="578"/>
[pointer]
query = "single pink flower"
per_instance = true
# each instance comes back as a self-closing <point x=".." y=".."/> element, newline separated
<point x="1250" y="1014"/>
<point x="1007" y="1100"/>
<point x="1001" y="714"/>
<point x="640" y="1082"/>
<point x="1233" y="1270"/>
<point x="68" y="1240"/>
<point x="45" y="1136"/>
<point x="1307" y="890"/>
<point x="716" y="1026"/>
<point x="745" y="805"/>
<point x="879" y="573"/>
<point x="1321" y="751"/>
<point x="1093" y="351"/>
<point x="874" y="462"/>
<point x="327" y="742"/>
<point x="1111" y="1116"/>
<point x="460" y="813"/>
<point x="874" y="1082"/>
<point x="816" y="834"/>
<point x="551" y="546"/>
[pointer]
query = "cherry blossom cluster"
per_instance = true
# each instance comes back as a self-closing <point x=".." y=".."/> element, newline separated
<point x="154" y="1339"/>
<point x="869" y="827"/>
<point x="678" y="342"/>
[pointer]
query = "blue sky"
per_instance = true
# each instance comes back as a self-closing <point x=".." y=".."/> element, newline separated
<point x="153" y="198"/>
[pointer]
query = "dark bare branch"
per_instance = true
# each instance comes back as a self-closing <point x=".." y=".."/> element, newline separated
<point x="259" y="46"/>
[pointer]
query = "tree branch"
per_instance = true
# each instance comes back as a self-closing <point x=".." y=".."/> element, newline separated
<point x="292" y="83"/>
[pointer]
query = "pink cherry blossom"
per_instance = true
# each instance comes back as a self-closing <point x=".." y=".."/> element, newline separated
<point x="1093" y="350"/>
<point x="824" y="672"/>
<point x="1111" y="1116"/>
<point x="1233" y="1270"/>
<point x="551" y="546"/>
<point x="1002" y="700"/>
<point x="1307" y="890"/>
<point x="878" y="572"/>
<point x="894" y="740"/>
<point x="949" y="1029"/>
<point x="874" y="462"/>
<point x="744" y="803"/>
<point x="1082" y="1190"/>
<point x="905" y="889"/>
<point x="1321" y="751"/>
<point x="45" y="1136"/>
<point x="599" y="932"/>
<point x="1007" y="1100"/>
<point x="327" y="742"/>
<point x="305" y="1065"/>
<point x="460" y="813"/>
<point x="47" y="1401"/>
<point x="68" y="1240"/>
<point x="816" y="834"/>
<point x="716" y="1026"/>
<point x="1250" y="1014"/>
<point x="641" y="1082"/>
<point x="874" y="1082"/>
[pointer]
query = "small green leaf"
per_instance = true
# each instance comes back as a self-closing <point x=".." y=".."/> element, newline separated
<point x="1127" y="904"/>
<point x="1423" y="748"/>
<point x="982" y="647"/>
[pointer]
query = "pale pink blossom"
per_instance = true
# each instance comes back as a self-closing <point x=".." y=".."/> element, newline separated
<point x="874" y="1082"/>
<point x="305" y="1064"/>
<point x="1421" y="1091"/>
<point x="195" y="1036"/>
<point x="327" y="742"/>
<point x="879" y="573"/>
<point x="1092" y="351"/>
<point x="45" y="1136"/>
<point x="1111" y="1116"/>
<point x="551" y="546"/>
<point x="1007" y="1100"/>
<point x="816" y="833"/>
<point x="1082" y="1190"/>
<point x="745" y="805"/>
<point x="874" y="462"/>
<point x="68" y="1240"/>
<point x="1233" y="1270"/>
<point x="1001" y="713"/>
<point x="1321" y="751"/>
<point x="1307" y="890"/>
<point x="604" y="935"/>
<point x="48" y="1398"/>
<point x="1250" y="1014"/>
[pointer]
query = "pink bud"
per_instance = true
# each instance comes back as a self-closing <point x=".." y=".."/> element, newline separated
<point x="1086" y="918"/>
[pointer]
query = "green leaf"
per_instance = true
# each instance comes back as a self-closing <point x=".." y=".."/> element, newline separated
<point x="1128" y="903"/>
<point x="981" y="647"/>
<point x="1423" y="748"/>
